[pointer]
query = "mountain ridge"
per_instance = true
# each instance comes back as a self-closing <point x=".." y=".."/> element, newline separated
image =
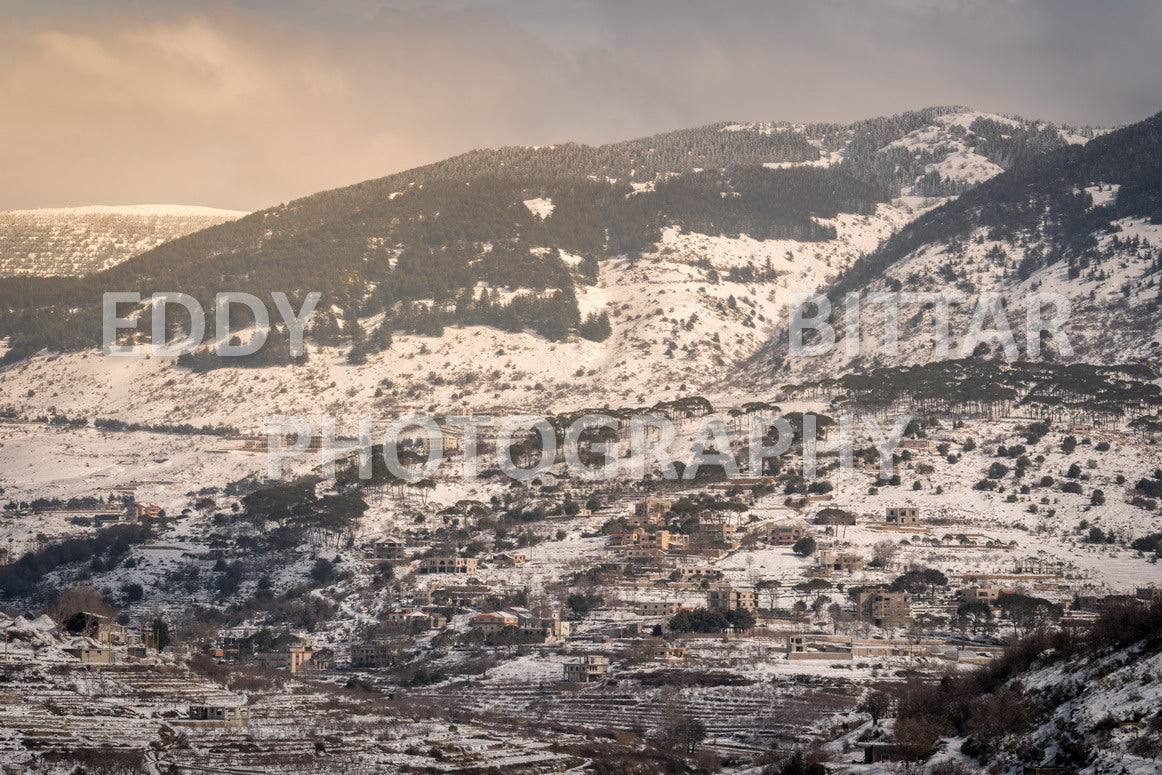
<point x="410" y="242"/>
<point x="73" y="241"/>
<point x="1081" y="222"/>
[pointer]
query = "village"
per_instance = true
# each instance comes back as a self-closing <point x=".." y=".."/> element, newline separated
<point x="761" y="605"/>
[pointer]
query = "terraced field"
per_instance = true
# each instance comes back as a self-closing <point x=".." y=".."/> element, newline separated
<point x="121" y="720"/>
<point x="739" y="719"/>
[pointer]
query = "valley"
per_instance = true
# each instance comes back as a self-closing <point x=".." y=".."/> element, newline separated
<point x="170" y="605"/>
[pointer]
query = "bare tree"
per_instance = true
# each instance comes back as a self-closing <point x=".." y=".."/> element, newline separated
<point x="883" y="552"/>
<point x="876" y="704"/>
<point x="916" y="736"/>
<point x="679" y="731"/>
<point x="74" y="600"/>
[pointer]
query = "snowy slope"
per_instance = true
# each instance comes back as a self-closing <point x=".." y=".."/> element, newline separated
<point x="673" y="325"/>
<point x="1109" y="703"/>
<point x="683" y="316"/>
<point x="1081" y="224"/>
<point x="1112" y="316"/>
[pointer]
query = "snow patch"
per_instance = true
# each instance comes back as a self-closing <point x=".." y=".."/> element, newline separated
<point x="540" y="207"/>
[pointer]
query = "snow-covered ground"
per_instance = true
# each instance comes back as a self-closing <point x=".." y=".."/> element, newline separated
<point x="673" y="325"/>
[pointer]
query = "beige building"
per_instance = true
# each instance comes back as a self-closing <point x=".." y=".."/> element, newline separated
<point x="96" y="626"/>
<point x="464" y="565"/>
<point x="657" y="541"/>
<point x="548" y="625"/>
<point x="818" y="647"/>
<point x="494" y="621"/>
<point x="830" y="561"/>
<point x="291" y="660"/>
<point x="389" y="549"/>
<point x="716" y="531"/>
<point x="786" y="534"/>
<point x="884" y="608"/>
<point x="727" y="598"/>
<point x="988" y="595"/>
<point x="902" y="515"/>
<point x="463" y="595"/>
<point x="588" y="669"/>
<point x="651" y="511"/>
<point x="416" y="620"/>
<point x="376" y="653"/>
<point x="918" y="445"/>
<point x="663" y="652"/>
<point x="138" y="511"/>
<point x="655" y="608"/>
<point x="93" y="655"/>
<point x="695" y="575"/>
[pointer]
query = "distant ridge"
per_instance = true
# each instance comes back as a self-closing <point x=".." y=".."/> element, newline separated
<point x="185" y="211"/>
<point x="78" y="241"/>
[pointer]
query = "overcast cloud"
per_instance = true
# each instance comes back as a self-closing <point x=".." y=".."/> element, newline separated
<point x="251" y="103"/>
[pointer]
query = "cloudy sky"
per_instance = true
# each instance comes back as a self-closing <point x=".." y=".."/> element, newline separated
<point x="249" y="103"/>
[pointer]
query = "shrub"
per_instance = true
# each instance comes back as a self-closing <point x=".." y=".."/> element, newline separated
<point x="804" y="547"/>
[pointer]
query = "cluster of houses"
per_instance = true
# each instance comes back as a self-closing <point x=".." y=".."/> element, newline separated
<point x="94" y="640"/>
<point x="714" y="535"/>
<point x="548" y="626"/>
<point x="881" y="607"/>
<point x="296" y="653"/>
<point x="844" y="647"/>
<point x="646" y="537"/>
<point x="392" y="549"/>
<point x="135" y="511"/>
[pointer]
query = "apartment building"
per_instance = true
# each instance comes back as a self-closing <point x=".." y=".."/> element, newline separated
<point x="389" y="549"/>
<point x="655" y="608"/>
<point x="884" y="608"/>
<point x="727" y="598"/>
<point x="588" y="669"/>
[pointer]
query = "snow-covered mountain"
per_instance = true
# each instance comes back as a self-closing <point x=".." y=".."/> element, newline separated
<point x="485" y="266"/>
<point x="72" y="241"/>
<point x="1081" y="223"/>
